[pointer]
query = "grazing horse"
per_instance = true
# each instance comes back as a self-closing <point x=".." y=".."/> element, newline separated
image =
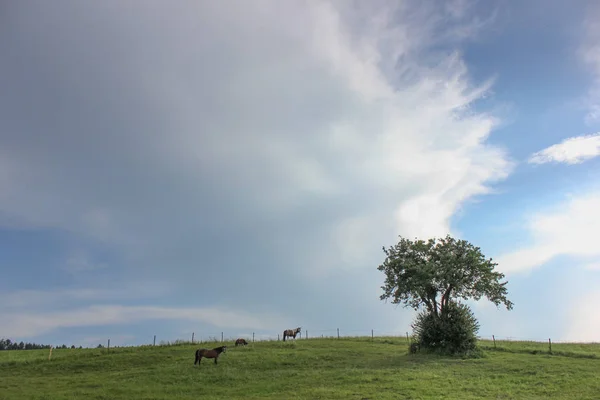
<point x="214" y="353"/>
<point x="291" y="333"/>
<point x="241" y="342"/>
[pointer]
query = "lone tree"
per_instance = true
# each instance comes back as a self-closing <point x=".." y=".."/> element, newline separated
<point x="435" y="275"/>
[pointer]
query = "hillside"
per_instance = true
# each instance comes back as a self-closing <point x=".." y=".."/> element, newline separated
<point x="348" y="368"/>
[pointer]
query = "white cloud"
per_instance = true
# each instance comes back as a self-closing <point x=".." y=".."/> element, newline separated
<point x="584" y="318"/>
<point x="411" y="142"/>
<point x="23" y="325"/>
<point x="573" y="150"/>
<point x="592" y="266"/>
<point x="569" y="229"/>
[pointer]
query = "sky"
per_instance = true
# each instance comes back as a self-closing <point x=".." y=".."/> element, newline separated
<point x="169" y="168"/>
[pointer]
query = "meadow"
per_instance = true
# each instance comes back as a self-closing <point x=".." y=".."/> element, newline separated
<point x="346" y="368"/>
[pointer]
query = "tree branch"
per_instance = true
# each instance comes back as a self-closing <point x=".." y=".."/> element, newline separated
<point x="427" y="303"/>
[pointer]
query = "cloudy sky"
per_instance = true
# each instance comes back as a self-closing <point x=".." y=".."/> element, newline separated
<point x="236" y="166"/>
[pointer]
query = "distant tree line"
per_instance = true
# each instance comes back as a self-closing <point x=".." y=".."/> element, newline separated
<point x="7" y="344"/>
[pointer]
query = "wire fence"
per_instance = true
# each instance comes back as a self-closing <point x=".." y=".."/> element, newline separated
<point x="337" y="333"/>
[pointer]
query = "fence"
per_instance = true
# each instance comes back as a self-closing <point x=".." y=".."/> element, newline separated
<point x="337" y="333"/>
<point x="304" y="334"/>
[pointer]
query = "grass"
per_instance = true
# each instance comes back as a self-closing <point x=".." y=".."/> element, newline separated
<point x="348" y="368"/>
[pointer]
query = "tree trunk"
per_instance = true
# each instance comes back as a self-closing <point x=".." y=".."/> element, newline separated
<point x="446" y="299"/>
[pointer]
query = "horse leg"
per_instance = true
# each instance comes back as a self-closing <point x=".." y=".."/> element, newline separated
<point x="216" y="359"/>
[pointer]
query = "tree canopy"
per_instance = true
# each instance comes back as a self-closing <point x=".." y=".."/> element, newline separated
<point x="435" y="272"/>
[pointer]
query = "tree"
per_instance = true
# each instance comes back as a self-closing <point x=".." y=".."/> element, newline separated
<point x="435" y="275"/>
<point x="432" y="273"/>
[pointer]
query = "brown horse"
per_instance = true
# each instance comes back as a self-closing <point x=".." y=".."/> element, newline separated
<point x="214" y="353"/>
<point x="241" y="342"/>
<point x="291" y="333"/>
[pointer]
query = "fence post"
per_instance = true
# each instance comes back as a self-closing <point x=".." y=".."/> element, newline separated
<point x="221" y="336"/>
<point x="407" y="339"/>
<point x="252" y="337"/>
<point x="372" y="334"/>
<point x="338" y="329"/>
<point x="50" y="354"/>
<point x="108" y="348"/>
<point x="154" y="343"/>
<point x="550" y="345"/>
<point x="192" y="337"/>
<point x="494" y="339"/>
<point x="307" y="334"/>
<point x="278" y="337"/>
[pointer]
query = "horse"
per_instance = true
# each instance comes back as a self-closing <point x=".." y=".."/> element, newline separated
<point x="214" y="353"/>
<point x="241" y="342"/>
<point x="291" y="333"/>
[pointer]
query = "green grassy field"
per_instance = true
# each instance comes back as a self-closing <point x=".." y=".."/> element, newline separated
<point x="347" y="368"/>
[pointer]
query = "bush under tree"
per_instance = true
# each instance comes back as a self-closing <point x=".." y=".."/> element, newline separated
<point x="432" y="277"/>
<point x="454" y="332"/>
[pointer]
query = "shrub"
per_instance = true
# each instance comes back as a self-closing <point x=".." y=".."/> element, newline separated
<point x="452" y="332"/>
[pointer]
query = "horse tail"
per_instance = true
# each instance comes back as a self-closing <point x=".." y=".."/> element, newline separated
<point x="284" y="335"/>
<point x="197" y="357"/>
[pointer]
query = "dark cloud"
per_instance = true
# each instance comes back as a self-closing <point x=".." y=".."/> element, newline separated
<point x="254" y="155"/>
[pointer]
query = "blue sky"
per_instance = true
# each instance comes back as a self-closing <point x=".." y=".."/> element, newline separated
<point x="237" y="167"/>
